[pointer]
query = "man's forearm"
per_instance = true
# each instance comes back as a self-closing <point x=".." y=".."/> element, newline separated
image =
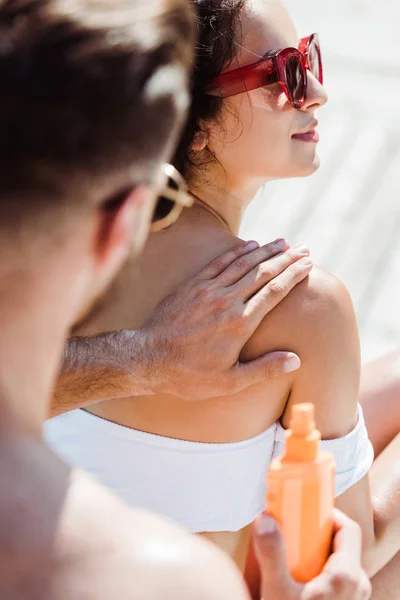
<point x="100" y="368"/>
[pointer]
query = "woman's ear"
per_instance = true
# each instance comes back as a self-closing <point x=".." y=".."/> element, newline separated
<point x="200" y="141"/>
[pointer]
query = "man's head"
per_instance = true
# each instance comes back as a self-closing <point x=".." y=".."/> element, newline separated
<point x="92" y="97"/>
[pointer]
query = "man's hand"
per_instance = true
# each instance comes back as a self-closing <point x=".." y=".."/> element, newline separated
<point x="342" y="578"/>
<point x="193" y="339"/>
<point x="190" y="346"/>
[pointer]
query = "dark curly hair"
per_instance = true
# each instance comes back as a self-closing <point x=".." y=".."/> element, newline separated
<point x="218" y="27"/>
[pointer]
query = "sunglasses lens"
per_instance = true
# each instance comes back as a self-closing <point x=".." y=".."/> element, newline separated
<point x="165" y="206"/>
<point x="173" y="198"/>
<point x="295" y="79"/>
<point x="314" y="61"/>
<point x="163" y="209"/>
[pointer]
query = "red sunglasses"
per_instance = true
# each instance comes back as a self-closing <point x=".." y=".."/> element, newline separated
<point x="288" y="67"/>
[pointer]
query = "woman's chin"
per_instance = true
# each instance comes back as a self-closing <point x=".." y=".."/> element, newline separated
<point x="296" y="166"/>
<point x="307" y="167"/>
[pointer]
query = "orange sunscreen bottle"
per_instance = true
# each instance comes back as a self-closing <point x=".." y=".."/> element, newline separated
<point x="301" y="495"/>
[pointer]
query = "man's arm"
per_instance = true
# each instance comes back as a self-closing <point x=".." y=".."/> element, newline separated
<point x="99" y="368"/>
<point x="190" y="346"/>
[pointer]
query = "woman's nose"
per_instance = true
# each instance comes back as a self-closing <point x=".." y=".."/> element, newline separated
<point x="316" y="93"/>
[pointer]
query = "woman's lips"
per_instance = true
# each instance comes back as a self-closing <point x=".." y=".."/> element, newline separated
<point x="310" y="136"/>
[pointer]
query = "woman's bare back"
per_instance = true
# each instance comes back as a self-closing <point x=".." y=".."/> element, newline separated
<point x="316" y="321"/>
<point x="170" y="258"/>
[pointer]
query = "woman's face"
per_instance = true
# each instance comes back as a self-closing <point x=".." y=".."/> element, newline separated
<point x="255" y="136"/>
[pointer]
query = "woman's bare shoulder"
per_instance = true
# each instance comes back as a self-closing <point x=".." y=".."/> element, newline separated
<point x="313" y="309"/>
<point x="317" y="322"/>
<point x="169" y="258"/>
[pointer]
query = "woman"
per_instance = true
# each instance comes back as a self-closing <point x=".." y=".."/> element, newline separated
<point x="204" y="464"/>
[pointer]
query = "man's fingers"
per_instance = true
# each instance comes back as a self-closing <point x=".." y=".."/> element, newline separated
<point x="342" y="575"/>
<point x="221" y="263"/>
<point x="244" y="260"/>
<point x="268" y="367"/>
<point x="269" y="548"/>
<point x="275" y="291"/>
<point x="265" y="272"/>
<point x="244" y="265"/>
<point x="343" y="580"/>
<point x="347" y="539"/>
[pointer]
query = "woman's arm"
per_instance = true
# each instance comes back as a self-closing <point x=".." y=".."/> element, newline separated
<point x="385" y="486"/>
<point x="317" y="322"/>
<point x="380" y="399"/>
<point x="330" y="379"/>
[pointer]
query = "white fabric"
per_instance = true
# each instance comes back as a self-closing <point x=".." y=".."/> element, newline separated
<point x="353" y="454"/>
<point x="205" y="487"/>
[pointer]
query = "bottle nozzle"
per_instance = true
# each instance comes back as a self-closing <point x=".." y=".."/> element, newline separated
<point x="302" y="420"/>
<point x="302" y="438"/>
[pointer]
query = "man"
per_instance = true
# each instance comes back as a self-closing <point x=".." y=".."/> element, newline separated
<point x="83" y="83"/>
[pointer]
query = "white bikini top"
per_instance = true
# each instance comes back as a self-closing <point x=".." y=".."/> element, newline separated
<point x="204" y="487"/>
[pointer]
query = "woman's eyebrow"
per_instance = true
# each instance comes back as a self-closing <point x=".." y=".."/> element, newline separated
<point x="255" y="54"/>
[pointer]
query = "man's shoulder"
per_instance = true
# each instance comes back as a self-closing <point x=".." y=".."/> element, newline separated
<point x="106" y="549"/>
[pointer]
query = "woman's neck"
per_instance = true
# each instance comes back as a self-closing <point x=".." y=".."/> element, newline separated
<point x="227" y="199"/>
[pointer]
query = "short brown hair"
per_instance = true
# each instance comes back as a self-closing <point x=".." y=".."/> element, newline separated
<point x="80" y="92"/>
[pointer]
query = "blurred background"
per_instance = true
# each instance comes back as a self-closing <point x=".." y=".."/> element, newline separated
<point x="349" y="212"/>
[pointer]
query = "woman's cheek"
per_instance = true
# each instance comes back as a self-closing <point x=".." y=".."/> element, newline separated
<point x="270" y="146"/>
<point x="270" y="98"/>
<point x="253" y="139"/>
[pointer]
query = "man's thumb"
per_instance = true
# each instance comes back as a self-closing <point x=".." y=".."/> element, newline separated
<point x="269" y="367"/>
<point x="270" y="552"/>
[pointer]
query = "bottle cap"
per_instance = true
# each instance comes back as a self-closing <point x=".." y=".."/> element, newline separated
<point x="302" y="438"/>
<point x="302" y="421"/>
